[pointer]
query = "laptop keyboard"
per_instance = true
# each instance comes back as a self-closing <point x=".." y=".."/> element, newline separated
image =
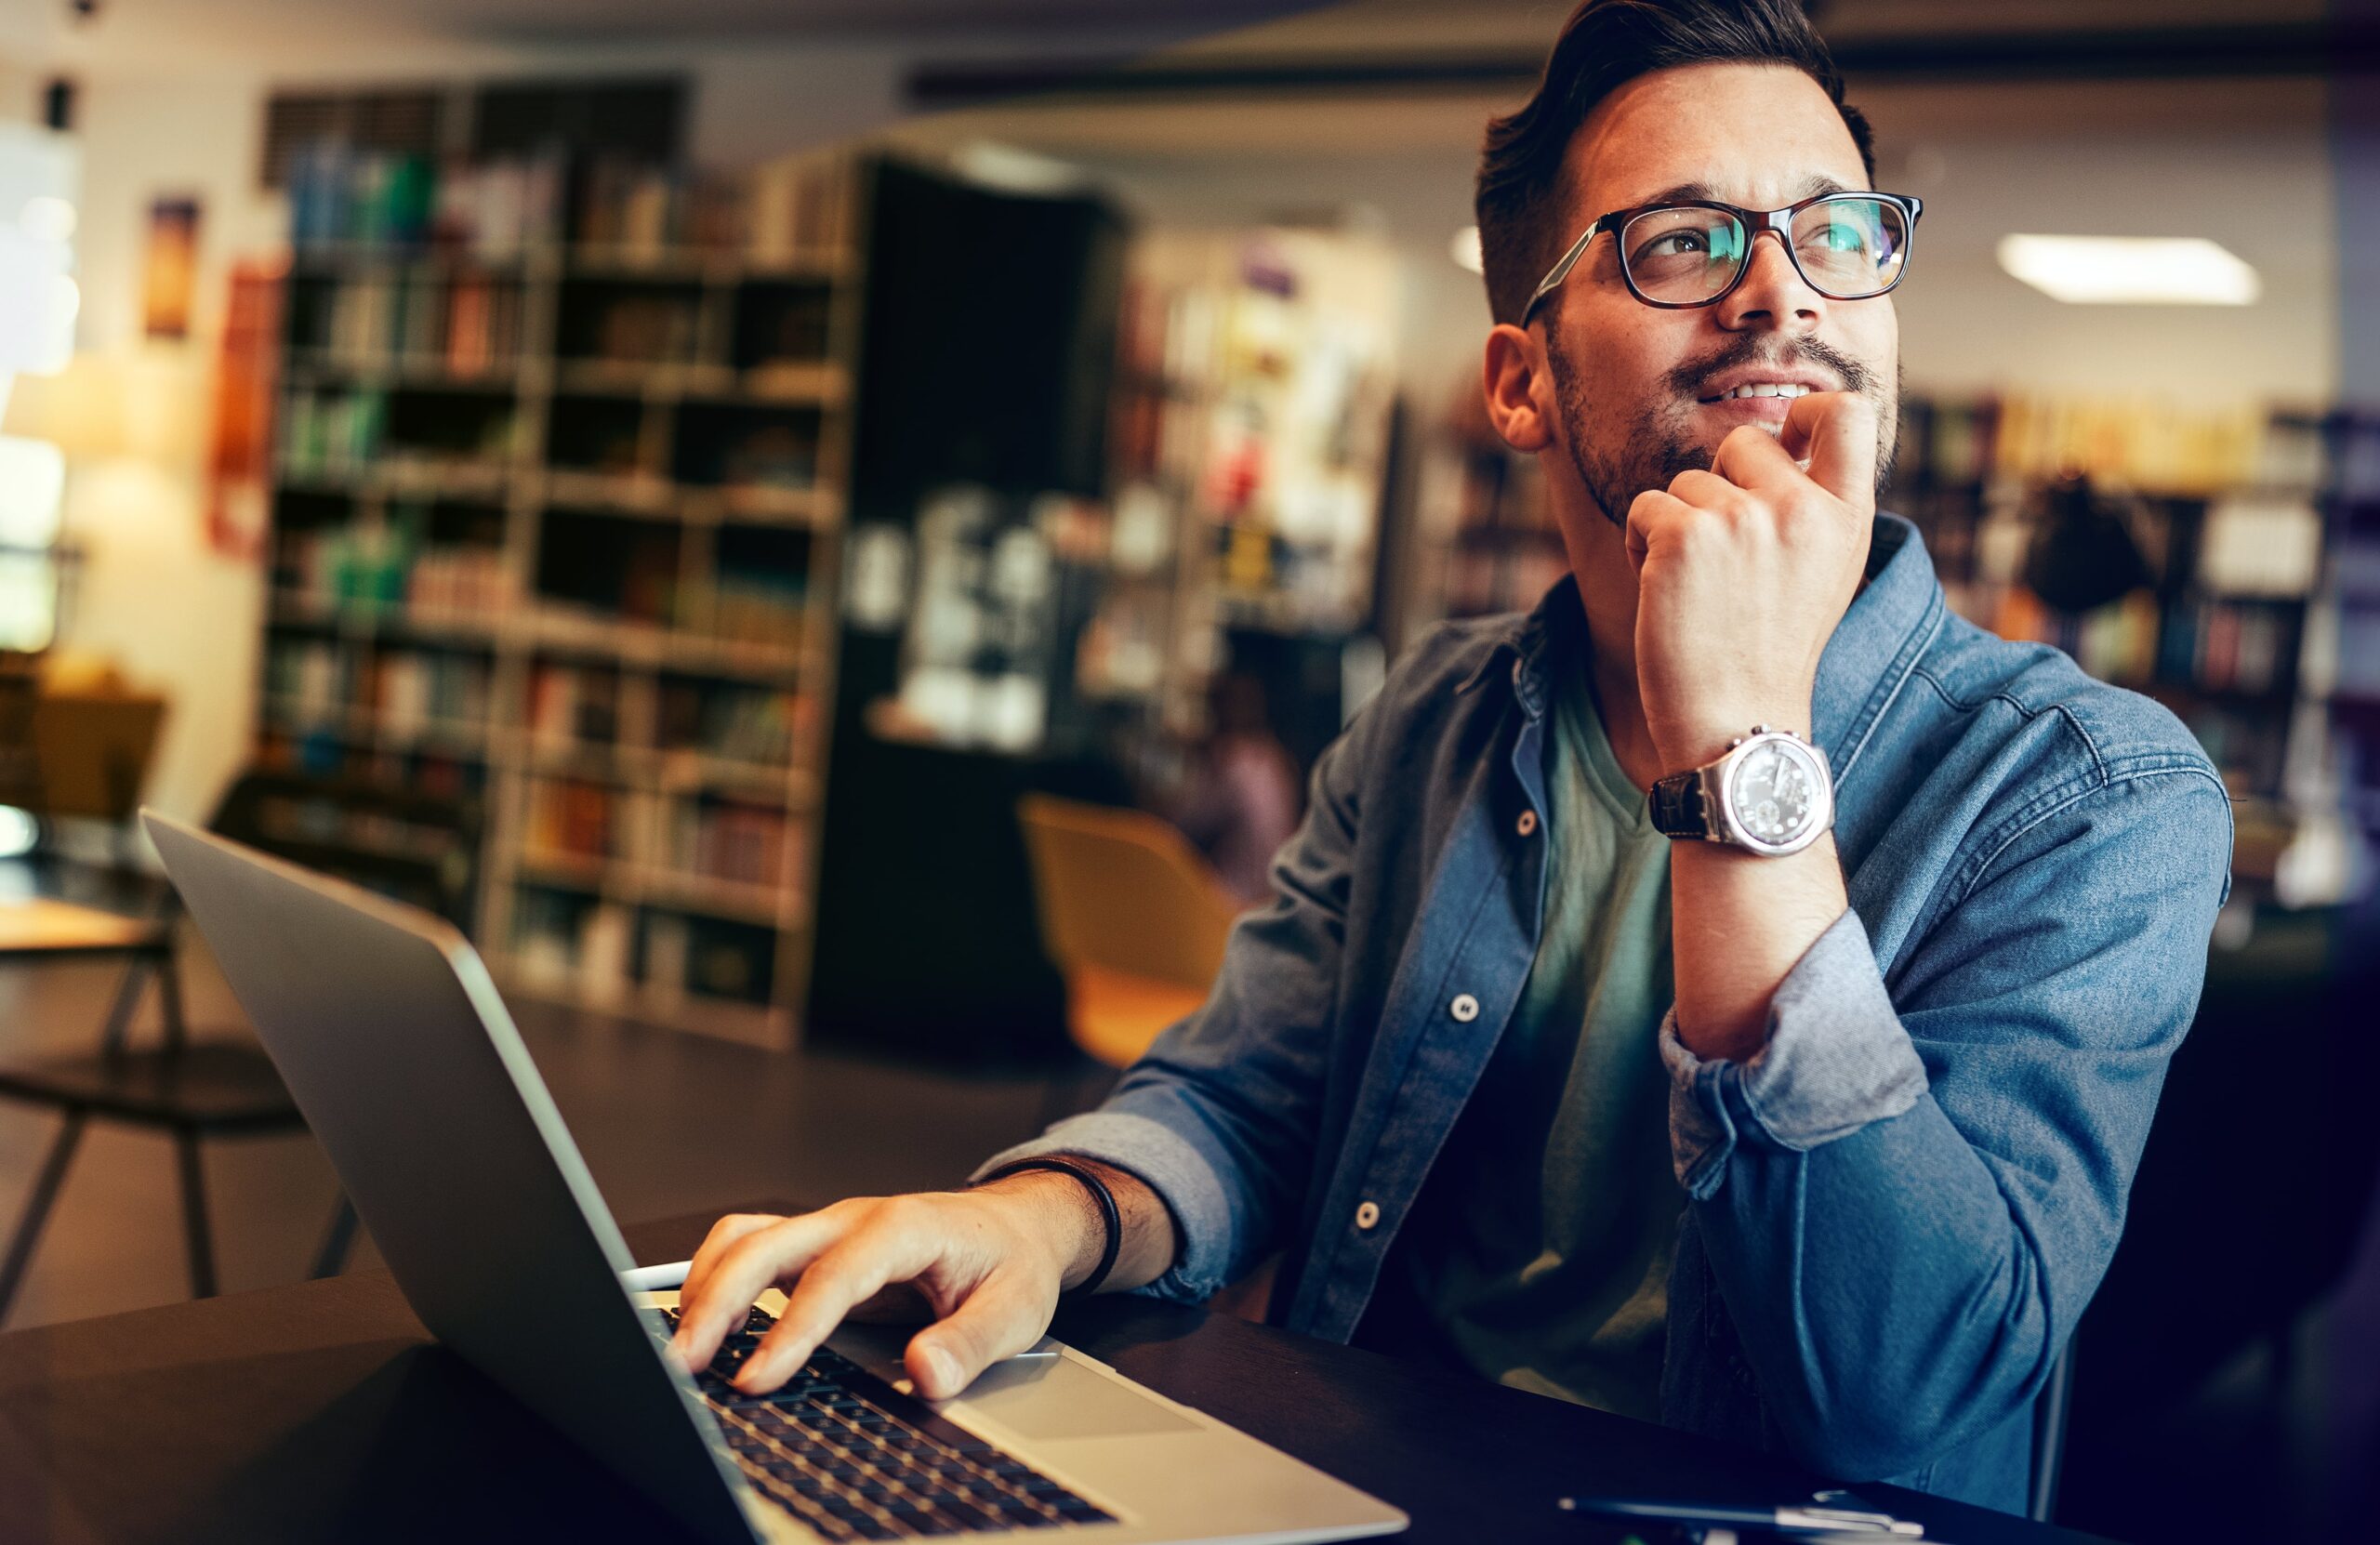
<point x="855" y="1458"/>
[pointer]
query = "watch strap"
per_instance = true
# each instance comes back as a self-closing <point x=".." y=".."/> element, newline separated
<point x="1677" y="805"/>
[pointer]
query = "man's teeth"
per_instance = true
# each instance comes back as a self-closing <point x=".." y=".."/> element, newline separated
<point x="1765" y="388"/>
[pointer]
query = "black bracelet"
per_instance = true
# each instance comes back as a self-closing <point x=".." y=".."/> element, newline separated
<point x="1108" y="1217"/>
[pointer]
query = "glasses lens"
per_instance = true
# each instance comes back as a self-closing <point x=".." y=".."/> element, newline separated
<point x="1850" y="248"/>
<point x="1683" y="256"/>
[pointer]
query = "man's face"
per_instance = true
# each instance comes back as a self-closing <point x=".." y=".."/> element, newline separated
<point x="1643" y="390"/>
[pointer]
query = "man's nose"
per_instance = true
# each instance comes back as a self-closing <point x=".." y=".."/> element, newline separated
<point x="1772" y="293"/>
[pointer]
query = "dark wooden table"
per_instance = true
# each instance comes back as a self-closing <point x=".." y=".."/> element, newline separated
<point x="323" y="1412"/>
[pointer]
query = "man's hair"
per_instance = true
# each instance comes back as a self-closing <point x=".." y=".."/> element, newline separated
<point x="1525" y="220"/>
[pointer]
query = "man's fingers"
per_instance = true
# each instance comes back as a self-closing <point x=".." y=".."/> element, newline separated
<point x="1751" y="457"/>
<point x="832" y="1284"/>
<point x="1000" y="1318"/>
<point x="691" y="1292"/>
<point x="722" y="1235"/>
<point x="1708" y="491"/>
<point x="743" y="1271"/>
<point x="1647" y="513"/>
<point x="1835" y="432"/>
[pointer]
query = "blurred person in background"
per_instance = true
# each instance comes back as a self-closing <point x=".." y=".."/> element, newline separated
<point x="1241" y="801"/>
<point x="1734" y="994"/>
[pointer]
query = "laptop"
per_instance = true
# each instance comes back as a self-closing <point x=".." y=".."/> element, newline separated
<point x="391" y="1035"/>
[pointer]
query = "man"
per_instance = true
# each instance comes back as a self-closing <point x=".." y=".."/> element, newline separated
<point x="1814" y="1139"/>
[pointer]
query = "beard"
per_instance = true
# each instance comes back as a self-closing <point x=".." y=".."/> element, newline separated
<point x="1656" y="445"/>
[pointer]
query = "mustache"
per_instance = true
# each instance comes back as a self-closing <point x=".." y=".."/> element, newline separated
<point x="1751" y="349"/>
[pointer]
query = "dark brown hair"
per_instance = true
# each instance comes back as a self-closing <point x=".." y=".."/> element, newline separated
<point x="1523" y="213"/>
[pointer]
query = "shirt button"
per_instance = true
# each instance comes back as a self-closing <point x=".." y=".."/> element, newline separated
<point x="1527" y="823"/>
<point x="1464" y="1007"/>
<point x="1368" y="1215"/>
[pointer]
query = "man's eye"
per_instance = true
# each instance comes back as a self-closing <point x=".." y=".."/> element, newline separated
<point x="1677" y="244"/>
<point x="1842" y="237"/>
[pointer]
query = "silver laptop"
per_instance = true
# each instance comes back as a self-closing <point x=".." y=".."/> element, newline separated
<point x="390" y="1036"/>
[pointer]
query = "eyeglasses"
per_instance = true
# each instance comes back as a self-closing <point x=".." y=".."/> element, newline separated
<point x="1846" y="247"/>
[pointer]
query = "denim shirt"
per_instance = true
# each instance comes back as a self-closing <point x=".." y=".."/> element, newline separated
<point x="1893" y="1214"/>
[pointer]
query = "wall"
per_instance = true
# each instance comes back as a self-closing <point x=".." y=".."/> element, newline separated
<point x="176" y="615"/>
<point x="180" y="617"/>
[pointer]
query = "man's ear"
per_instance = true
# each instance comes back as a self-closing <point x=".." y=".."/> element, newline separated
<point x="1520" y="391"/>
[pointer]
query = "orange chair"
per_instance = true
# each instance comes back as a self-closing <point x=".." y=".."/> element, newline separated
<point x="1133" y="916"/>
<point x="1136" y="919"/>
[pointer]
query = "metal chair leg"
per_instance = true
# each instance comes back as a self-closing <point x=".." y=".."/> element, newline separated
<point x="37" y="1205"/>
<point x="195" y="1233"/>
<point x="127" y="1003"/>
<point x="338" y="1240"/>
<point x="169" y="1002"/>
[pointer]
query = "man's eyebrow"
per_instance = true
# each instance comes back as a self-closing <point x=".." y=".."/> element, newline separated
<point x="1703" y="192"/>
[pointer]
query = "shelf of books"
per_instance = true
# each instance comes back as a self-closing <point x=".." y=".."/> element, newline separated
<point x="1481" y="522"/>
<point x="1249" y="439"/>
<point x="2204" y="557"/>
<point x="561" y="466"/>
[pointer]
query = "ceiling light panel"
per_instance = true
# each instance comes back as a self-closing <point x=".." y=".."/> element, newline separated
<point x="2131" y="270"/>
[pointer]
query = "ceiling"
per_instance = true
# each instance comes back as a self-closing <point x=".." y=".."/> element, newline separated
<point x="302" y="36"/>
<point x="306" y="37"/>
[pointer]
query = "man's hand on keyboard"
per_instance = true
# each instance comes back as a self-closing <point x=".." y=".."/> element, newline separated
<point x="988" y="1264"/>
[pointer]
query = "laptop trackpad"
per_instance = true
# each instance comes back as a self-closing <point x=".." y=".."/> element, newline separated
<point x="1048" y="1399"/>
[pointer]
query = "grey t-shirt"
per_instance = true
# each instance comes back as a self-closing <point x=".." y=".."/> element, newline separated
<point x="1541" y="1248"/>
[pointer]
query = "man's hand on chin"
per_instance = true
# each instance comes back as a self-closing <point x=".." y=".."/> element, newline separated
<point x="1743" y="572"/>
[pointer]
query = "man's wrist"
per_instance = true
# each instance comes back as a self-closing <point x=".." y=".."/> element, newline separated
<point x="1064" y="1217"/>
<point x="1686" y="750"/>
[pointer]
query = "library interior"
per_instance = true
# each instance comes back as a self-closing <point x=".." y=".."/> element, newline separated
<point x="830" y="541"/>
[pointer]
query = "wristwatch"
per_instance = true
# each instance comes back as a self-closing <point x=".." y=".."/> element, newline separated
<point x="1771" y="795"/>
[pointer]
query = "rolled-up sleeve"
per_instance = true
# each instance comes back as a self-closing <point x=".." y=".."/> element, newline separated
<point x="1836" y="1059"/>
<point x="1206" y="1220"/>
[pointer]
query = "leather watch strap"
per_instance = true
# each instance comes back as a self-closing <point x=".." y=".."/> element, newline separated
<point x="1677" y="803"/>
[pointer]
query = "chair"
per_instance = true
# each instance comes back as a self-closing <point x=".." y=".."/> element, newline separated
<point x="19" y="698"/>
<point x="1136" y="921"/>
<point x="393" y="841"/>
<point x="1131" y="914"/>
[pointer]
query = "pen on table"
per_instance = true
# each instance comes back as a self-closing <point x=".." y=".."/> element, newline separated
<point x="655" y="1279"/>
<point x="1803" y="1520"/>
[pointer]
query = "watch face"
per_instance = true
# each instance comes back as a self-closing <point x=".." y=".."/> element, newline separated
<point x="1777" y="792"/>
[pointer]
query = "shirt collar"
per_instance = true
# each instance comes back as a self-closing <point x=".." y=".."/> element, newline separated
<point x="1871" y="652"/>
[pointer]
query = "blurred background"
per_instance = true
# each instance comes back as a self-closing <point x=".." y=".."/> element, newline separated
<point x="827" y="536"/>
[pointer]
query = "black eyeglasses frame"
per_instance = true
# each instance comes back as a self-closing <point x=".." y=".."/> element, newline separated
<point x="1755" y="221"/>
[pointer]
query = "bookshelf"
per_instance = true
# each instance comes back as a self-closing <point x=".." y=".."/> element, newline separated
<point x="2245" y="519"/>
<point x="561" y="473"/>
<point x="1481" y="517"/>
<point x="1250" y="447"/>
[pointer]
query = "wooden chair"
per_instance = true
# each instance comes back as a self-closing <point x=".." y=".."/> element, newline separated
<point x="1131" y="914"/>
<point x="419" y="848"/>
<point x="19" y="698"/>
